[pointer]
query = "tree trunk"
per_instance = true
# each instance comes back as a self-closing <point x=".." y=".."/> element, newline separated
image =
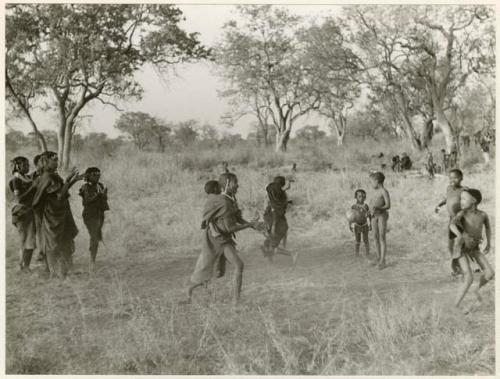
<point x="427" y="133"/>
<point x="412" y="134"/>
<point x="444" y="125"/>
<point x="282" y="138"/>
<point x="68" y="137"/>
<point x="61" y="133"/>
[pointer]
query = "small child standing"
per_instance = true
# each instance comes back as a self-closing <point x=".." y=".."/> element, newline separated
<point x="361" y="222"/>
<point x="381" y="204"/>
<point x="95" y="203"/>
<point x="467" y="226"/>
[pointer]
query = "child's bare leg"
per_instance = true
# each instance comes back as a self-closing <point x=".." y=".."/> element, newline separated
<point x="190" y="291"/>
<point x="357" y="234"/>
<point x="232" y="256"/>
<point x="486" y="276"/>
<point x="366" y="241"/>
<point x="383" y="244"/>
<point x="376" y="234"/>
<point x="464" y="265"/>
<point x="284" y="240"/>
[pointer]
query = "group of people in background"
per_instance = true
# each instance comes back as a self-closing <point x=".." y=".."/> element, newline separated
<point x="42" y="213"/>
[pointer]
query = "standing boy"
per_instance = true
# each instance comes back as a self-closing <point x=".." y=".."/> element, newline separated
<point x="381" y="204"/>
<point x="467" y="226"/>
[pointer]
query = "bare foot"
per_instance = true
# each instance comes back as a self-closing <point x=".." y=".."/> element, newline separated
<point x="382" y="265"/>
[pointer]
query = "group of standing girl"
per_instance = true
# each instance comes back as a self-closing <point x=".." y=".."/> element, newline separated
<point x="42" y="213"/>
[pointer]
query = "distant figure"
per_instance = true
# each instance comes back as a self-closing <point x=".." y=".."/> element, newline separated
<point x="274" y="217"/>
<point x="445" y="160"/>
<point x="485" y="148"/>
<point x="465" y="141"/>
<point x="467" y="226"/>
<point x="430" y="166"/>
<point x="406" y="162"/>
<point x="452" y="201"/>
<point x="222" y="219"/>
<point x="95" y="202"/>
<point x="224" y="167"/>
<point x="396" y="164"/>
<point x="21" y="186"/>
<point x="294" y="167"/>
<point x="360" y="223"/>
<point x="381" y="204"/>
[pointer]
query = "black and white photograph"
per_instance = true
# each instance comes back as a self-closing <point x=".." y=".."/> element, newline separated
<point x="249" y="189"/>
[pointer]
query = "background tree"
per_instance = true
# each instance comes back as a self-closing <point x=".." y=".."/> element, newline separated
<point x="142" y="127"/>
<point x="310" y="133"/>
<point x="336" y="71"/>
<point x="261" y="60"/>
<point x="421" y="55"/>
<point x="185" y="132"/>
<point x="68" y="55"/>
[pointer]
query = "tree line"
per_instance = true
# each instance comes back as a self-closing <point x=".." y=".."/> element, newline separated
<point x="410" y="70"/>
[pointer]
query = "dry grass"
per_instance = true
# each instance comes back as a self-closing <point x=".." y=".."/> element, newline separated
<point x="332" y="314"/>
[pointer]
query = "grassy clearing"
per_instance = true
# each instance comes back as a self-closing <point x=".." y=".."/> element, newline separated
<point x="331" y="315"/>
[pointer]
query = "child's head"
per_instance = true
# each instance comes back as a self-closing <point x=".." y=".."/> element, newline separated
<point x="280" y="180"/>
<point x="212" y="187"/>
<point x="48" y="161"/>
<point x="470" y="197"/>
<point x="36" y="161"/>
<point x="92" y="174"/>
<point x="20" y="165"/>
<point x="228" y="183"/>
<point x="456" y="177"/>
<point x="360" y="196"/>
<point x="377" y="178"/>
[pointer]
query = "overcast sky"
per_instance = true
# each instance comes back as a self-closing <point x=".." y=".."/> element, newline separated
<point x="190" y="94"/>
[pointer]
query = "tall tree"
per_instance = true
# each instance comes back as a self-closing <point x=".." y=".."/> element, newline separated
<point x="336" y="72"/>
<point x="261" y="60"/>
<point x="69" y="55"/>
<point x="422" y="54"/>
<point x="143" y="128"/>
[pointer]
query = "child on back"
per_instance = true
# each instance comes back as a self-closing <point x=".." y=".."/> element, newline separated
<point x="361" y="222"/>
<point x="381" y="203"/>
<point x="212" y="187"/>
<point x="452" y="201"/>
<point x="467" y="226"/>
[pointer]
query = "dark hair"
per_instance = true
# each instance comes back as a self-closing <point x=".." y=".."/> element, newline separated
<point x="17" y="162"/>
<point x="36" y="159"/>
<point x="45" y="156"/>
<point x="458" y="172"/>
<point x="359" y="191"/>
<point x="91" y="170"/>
<point x="378" y="176"/>
<point x="212" y="187"/>
<point x="280" y="180"/>
<point x="225" y="178"/>
<point x="476" y="194"/>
